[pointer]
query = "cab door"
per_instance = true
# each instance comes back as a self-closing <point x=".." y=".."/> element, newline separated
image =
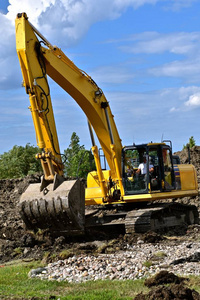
<point x="168" y="177"/>
<point x="155" y="177"/>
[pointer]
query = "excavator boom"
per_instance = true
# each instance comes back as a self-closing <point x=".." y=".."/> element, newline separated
<point x="36" y="62"/>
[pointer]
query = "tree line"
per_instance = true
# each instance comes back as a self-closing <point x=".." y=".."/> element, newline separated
<point x="20" y="161"/>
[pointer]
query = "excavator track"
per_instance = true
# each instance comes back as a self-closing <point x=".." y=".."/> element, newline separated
<point x="62" y="209"/>
<point x="155" y="217"/>
<point x="161" y="217"/>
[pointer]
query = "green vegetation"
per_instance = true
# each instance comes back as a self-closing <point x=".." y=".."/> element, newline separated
<point x="147" y="263"/>
<point x="66" y="253"/>
<point x="14" y="283"/>
<point x="79" y="161"/>
<point x="194" y="283"/>
<point x="191" y="143"/>
<point x="19" y="162"/>
<point x="17" y="251"/>
<point x="160" y="254"/>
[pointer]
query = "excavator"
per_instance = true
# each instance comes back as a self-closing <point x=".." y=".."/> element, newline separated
<point x="131" y="191"/>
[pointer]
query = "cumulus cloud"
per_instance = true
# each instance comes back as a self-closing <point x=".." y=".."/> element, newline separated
<point x="194" y="101"/>
<point x="62" y="22"/>
<point x="173" y="99"/>
<point x="34" y="9"/>
<point x="184" y="97"/>
<point x="185" y="92"/>
<point x="71" y="18"/>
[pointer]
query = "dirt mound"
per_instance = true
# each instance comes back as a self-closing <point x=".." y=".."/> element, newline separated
<point x="194" y="157"/>
<point x="176" y="289"/>
<point x="11" y="226"/>
<point x="163" y="277"/>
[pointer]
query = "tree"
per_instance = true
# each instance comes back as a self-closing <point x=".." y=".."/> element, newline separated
<point x="191" y="143"/>
<point x="19" y="162"/>
<point x="79" y="161"/>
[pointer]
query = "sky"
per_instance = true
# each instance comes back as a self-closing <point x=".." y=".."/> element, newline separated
<point x="143" y="54"/>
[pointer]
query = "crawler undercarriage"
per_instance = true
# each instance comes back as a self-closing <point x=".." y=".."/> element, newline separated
<point x="128" y="218"/>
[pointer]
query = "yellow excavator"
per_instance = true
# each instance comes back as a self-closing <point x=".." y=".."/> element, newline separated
<point x="137" y="174"/>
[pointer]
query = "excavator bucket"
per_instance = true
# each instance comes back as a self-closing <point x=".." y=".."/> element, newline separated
<point x="60" y="210"/>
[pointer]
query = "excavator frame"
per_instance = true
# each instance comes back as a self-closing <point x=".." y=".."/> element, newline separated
<point x="60" y="204"/>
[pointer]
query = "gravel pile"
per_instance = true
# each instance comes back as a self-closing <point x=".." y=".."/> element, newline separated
<point x="139" y="260"/>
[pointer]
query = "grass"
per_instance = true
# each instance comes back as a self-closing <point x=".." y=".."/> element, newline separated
<point x="160" y="254"/>
<point x="15" y="284"/>
<point x="147" y="263"/>
<point x="194" y="283"/>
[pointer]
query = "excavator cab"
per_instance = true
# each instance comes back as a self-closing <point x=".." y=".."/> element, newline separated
<point x="148" y="168"/>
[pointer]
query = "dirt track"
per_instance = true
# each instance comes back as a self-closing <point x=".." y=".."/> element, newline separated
<point x="17" y="243"/>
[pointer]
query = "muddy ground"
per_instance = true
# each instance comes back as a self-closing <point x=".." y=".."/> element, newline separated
<point x="17" y="243"/>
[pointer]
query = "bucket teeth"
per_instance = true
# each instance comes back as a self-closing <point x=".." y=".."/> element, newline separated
<point x="59" y="210"/>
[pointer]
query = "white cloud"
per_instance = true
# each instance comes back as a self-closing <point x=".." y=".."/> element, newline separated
<point x="185" y="45"/>
<point x="183" y="97"/>
<point x="176" y="5"/>
<point x="33" y="9"/>
<point x="62" y="22"/>
<point x="185" y="92"/>
<point x="71" y="18"/>
<point x="188" y="69"/>
<point x="179" y="43"/>
<point x="155" y="43"/>
<point x="194" y="101"/>
<point x="173" y="109"/>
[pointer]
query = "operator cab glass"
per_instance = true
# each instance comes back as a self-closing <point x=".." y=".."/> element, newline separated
<point x="147" y="168"/>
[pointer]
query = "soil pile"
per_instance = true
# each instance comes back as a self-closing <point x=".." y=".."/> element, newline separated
<point x="175" y="289"/>
<point x="193" y="154"/>
<point x="11" y="226"/>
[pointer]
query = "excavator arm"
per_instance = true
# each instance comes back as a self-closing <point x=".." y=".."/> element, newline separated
<point x="39" y="59"/>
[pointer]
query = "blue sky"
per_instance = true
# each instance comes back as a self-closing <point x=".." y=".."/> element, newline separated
<point x="144" y="54"/>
